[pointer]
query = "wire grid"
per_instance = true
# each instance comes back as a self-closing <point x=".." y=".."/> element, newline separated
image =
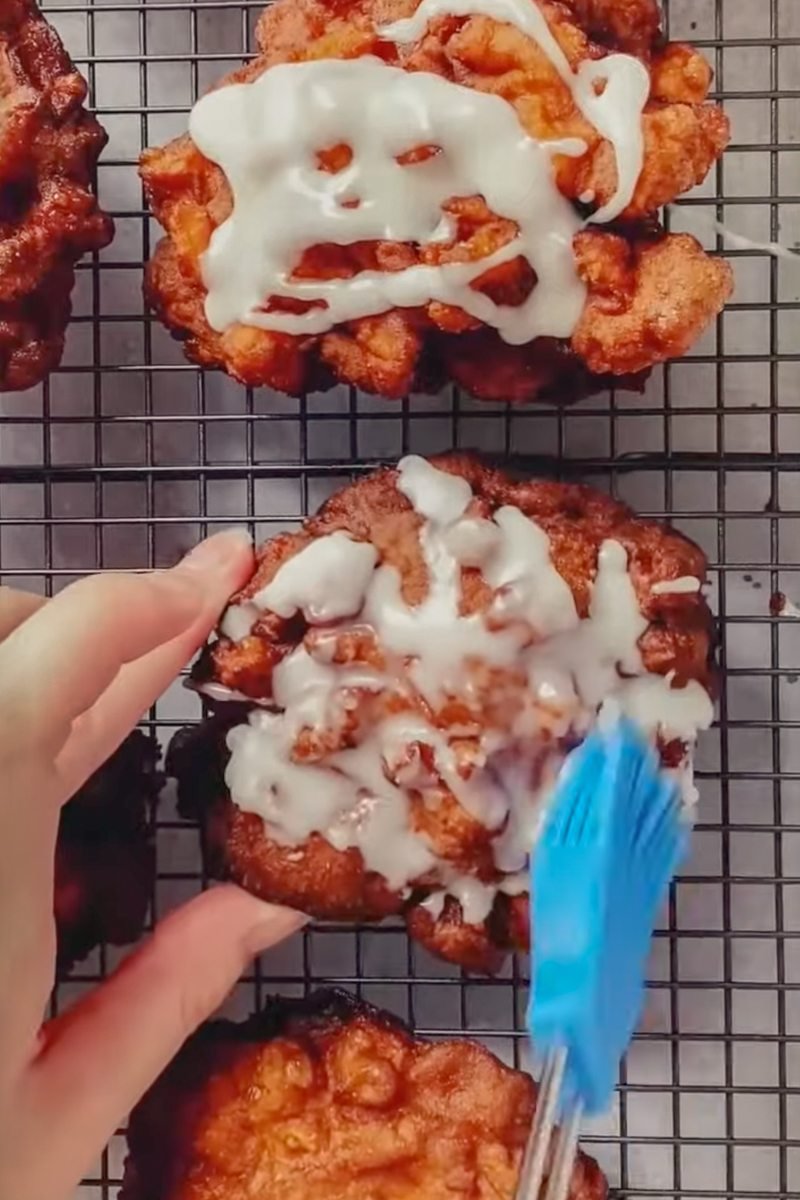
<point x="129" y="454"/>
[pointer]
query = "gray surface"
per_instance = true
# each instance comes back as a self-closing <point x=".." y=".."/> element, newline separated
<point x="719" y="1056"/>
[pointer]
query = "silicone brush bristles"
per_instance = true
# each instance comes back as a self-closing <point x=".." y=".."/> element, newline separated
<point x="609" y="847"/>
<point x="574" y="819"/>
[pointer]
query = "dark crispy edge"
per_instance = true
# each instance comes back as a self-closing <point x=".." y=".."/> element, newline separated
<point x="114" y="812"/>
<point x="285" y="1016"/>
<point x="41" y="62"/>
<point x="153" y="1147"/>
<point x="158" y="1157"/>
<point x="548" y="371"/>
<point x="197" y="757"/>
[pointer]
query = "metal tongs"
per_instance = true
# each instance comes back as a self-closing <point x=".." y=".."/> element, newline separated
<point x="613" y="837"/>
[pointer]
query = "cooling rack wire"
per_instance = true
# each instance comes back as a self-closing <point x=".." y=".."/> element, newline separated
<point x="129" y="455"/>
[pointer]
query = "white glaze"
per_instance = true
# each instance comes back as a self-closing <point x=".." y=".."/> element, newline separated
<point x="739" y="242"/>
<point x="238" y="620"/>
<point x="522" y="572"/>
<point x="221" y="693"/>
<point x="472" y="541"/>
<point x="579" y="668"/>
<point x="675" y="713"/>
<point x="435" y="904"/>
<point x="704" y="226"/>
<point x="361" y="797"/>
<point x="616" y="113"/>
<point x="616" y="621"/>
<point x="789" y="609"/>
<point x="327" y="580"/>
<point x="475" y="897"/>
<point x="310" y="690"/>
<point x="434" y="635"/>
<point x="435" y="495"/>
<point x="265" y="136"/>
<point x="686" y="585"/>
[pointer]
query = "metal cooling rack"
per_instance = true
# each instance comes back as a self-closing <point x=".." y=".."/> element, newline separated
<point x="128" y="455"/>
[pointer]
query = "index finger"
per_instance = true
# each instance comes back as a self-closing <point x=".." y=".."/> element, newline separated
<point x="58" y="663"/>
<point x="67" y="660"/>
<point x="54" y="665"/>
<point x="16" y="607"/>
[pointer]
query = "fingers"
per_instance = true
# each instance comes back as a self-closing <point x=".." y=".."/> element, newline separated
<point x="16" y="607"/>
<point x="101" y="1056"/>
<point x="221" y="565"/>
<point x="65" y="657"/>
<point x="53" y="668"/>
<point x="27" y="930"/>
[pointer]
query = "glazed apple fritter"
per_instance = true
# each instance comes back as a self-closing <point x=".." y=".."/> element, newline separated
<point x="330" y="1098"/>
<point x="650" y="294"/>
<point x="49" y="146"/>
<point x="105" y="853"/>
<point x="332" y="883"/>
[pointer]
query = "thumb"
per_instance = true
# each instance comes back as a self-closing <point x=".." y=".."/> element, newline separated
<point x="102" y="1055"/>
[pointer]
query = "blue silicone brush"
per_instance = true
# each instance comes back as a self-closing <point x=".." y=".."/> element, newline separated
<point x="611" y="842"/>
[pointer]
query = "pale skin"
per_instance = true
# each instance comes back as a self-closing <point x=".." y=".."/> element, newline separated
<point x="76" y="674"/>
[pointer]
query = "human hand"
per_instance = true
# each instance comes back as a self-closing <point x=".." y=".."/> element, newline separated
<point x="76" y="673"/>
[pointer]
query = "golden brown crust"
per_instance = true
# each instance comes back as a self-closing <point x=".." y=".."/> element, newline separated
<point x="333" y="884"/>
<point x="330" y="1098"/>
<point x="577" y="519"/>
<point x="647" y="300"/>
<point x="480" y="948"/>
<point x="49" y="218"/>
<point x="629" y="273"/>
<point x="105" y="854"/>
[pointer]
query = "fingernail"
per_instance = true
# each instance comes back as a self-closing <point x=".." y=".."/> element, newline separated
<point x="276" y="924"/>
<point x="221" y="550"/>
